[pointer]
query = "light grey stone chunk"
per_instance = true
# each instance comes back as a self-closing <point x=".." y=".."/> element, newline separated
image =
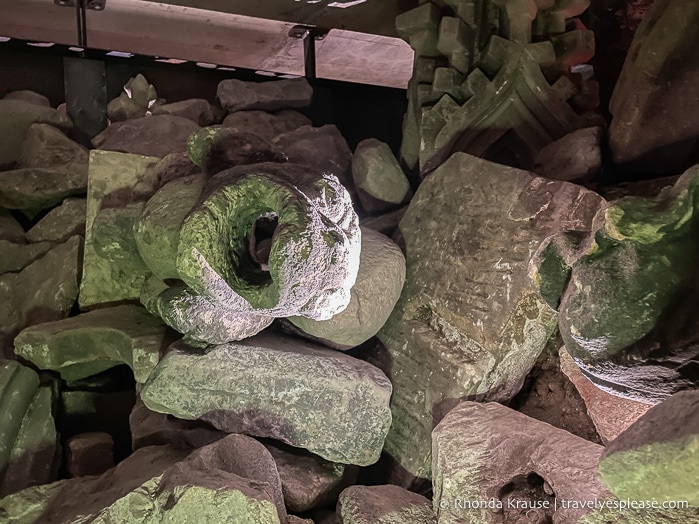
<point x="324" y="401"/>
<point x="61" y="222"/>
<point x="267" y="125"/>
<point x="197" y="110"/>
<point x="236" y="95"/>
<point x="576" y="156"/>
<point x="45" y="146"/>
<point x="385" y="504"/>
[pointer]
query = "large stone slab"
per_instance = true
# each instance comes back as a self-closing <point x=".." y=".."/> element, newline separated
<point x="85" y="345"/>
<point x="150" y="136"/>
<point x="236" y="95"/>
<point x="652" y="128"/>
<point x="468" y="324"/>
<point x="383" y="505"/>
<point x="115" y="180"/>
<point x="28" y="438"/>
<point x="307" y="396"/>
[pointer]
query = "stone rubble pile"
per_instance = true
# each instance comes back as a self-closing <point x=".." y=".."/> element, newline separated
<point x="221" y="313"/>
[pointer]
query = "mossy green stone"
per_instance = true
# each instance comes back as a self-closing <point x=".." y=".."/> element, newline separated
<point x="200" y="142"/>
<point x="378" y="176"/>
<point x="88" y="344"/>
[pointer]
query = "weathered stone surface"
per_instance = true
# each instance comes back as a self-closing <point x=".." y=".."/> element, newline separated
<point x="28" y="96"/>
<point x="16" y="256"/>
<point x="626" y="311"/>
<point x="385" y="224"/>
<point x="380" y="181"/>
<point x="157" y="231"/>
<point x="481" y="337"/>
<point x="272" y="386"/>
<point x="53" y="280"/>
<point x="16" y="116"/>
<point x="267" y="240"/>
<point x="28" y="439"/>
<point x="488" y="452"/>
<point x="10" y="229"/>
<point x="236" y="95"/>
<point x="576" y="156"/>
<point x="156" y="136"/>
<point x="155" y="484"/>
<point x="149" y="428"/>
<point x="46" y="146"/>
<point x="64" y="221"/>
<point x="652" y="128"/>
<point x="308" y="481"/>
<point x="89" y="454"/>
<point x="383" y="505"/>
<point x="215" y="149"/>
<point x="266" y="125"/>
<point x="174" y="166"/>
<point x="90" y="343"/>
<point x="610" y="414"/>
<point x="134" y="101"/>
<point x="657" y="457"/>
<point x="323" y="149"/>
<point x="373" y="297"/>
<point x="115" y="180"/>
<point x="197" y="110"/>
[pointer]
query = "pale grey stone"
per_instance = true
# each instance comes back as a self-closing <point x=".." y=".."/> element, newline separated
<point x="267" y="125"/>
<point x="576" y="156"/>
<point x="236" y="95"/>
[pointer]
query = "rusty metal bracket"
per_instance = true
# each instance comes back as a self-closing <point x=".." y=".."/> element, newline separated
<point x="96" y="5"/>
<point x="309" y="34"/>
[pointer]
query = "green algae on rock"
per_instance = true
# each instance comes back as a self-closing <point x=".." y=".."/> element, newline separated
<point x="385" y="504"/>
<point x="307" y="396"/>
<point x="85" y="345"/>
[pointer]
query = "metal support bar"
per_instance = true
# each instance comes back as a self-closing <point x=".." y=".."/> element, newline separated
<point x="309" y="35"/>
<point x="81" y="18"/>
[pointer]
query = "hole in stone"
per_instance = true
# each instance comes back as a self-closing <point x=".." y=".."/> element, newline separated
<point x="261" y="238"/>
<point x="527" y="498"/>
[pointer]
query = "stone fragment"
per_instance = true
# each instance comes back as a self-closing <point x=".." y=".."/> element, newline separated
<point x="64" y="221"/>
<point x="488" y="453"/>
<point x="330" y="404"/>
<point x="652" y="129"/>
<point x="215" y="149"/>
<point x="379" y="283"/>
<point x="293" y="519"/>
<point x="657" y="457"/>
<point x="115" y="180"/>
<point x="380" y="181"/>
<point x="89" y="454"/>
<point x="134" y="101"/>
<point x="308" y="481"/>
<point x="576" y="156"/>
<point x="197" y="110"/>
<point x="10" y="229"/>
<point x="16" y="256"/>
<point x="90" y="343"/>
<point x="236" y="95"/>
<point x="174" y="166"/>
<point x="385" y="224"/>
<point x="267" y="125"/>
<point x="149" y="428"/>
<point x="156" y="136"/>
<point x="630" y="286"/>
<point x="28" y="96"/>
<point x="385" y="504"/>
<point x="16" y="117"/>
<point x="28" y="439"/>
<point x="53" y="281"/>
<point x="610" y="414"/>
<point x="155" y="484"/>
<point x="46" y="146"/>
<point x="323" y="149"/>
<point x="478" y="339"/>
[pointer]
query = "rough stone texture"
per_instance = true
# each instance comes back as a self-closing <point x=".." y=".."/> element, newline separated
<point x="236" y="95"/>
<point x="652" y="128"/>
<point x="174" y="166"/>
<point x="156" y="136"/>
<point x="267" y="125"/>
<point x="134" y="101"/>
<point x="481" y="337"/>
<point x="233" y="284"/>
<point x="385" y="224"/>
<point x="272" y="386"/>
<point x="197" y="110"/>
<point x="149" y="428"/>
<point x="10" y="229"/>
<point x="64" y="221"/>
<point x="53" y="280"/>
<point x="657" y="457"/>
<point x="380" y="181"/>
<point x="489" y="78"/>
<point x="626" y="312"/>
<point x="17" y="256"/>
<point x="610" y="414"/>
<point x="50" y="168"/>
<point x="308" y="481"/>
<point x="115" y="179"/>
<point x="16" y="117"/>
<point x="85" y="345"/>
<point x="323" y="149"/>
<point x="155" y="484"/>
<point x="480" y="452"/>
<point x="28" y="439"/>
<point x="28" y="96"/>
<point x="383" y="505"/>
<point x="576" y="156"/>
<point x="373" y="297"/>
<point x="215" y="149"/>
<point x="89" y="454"/>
